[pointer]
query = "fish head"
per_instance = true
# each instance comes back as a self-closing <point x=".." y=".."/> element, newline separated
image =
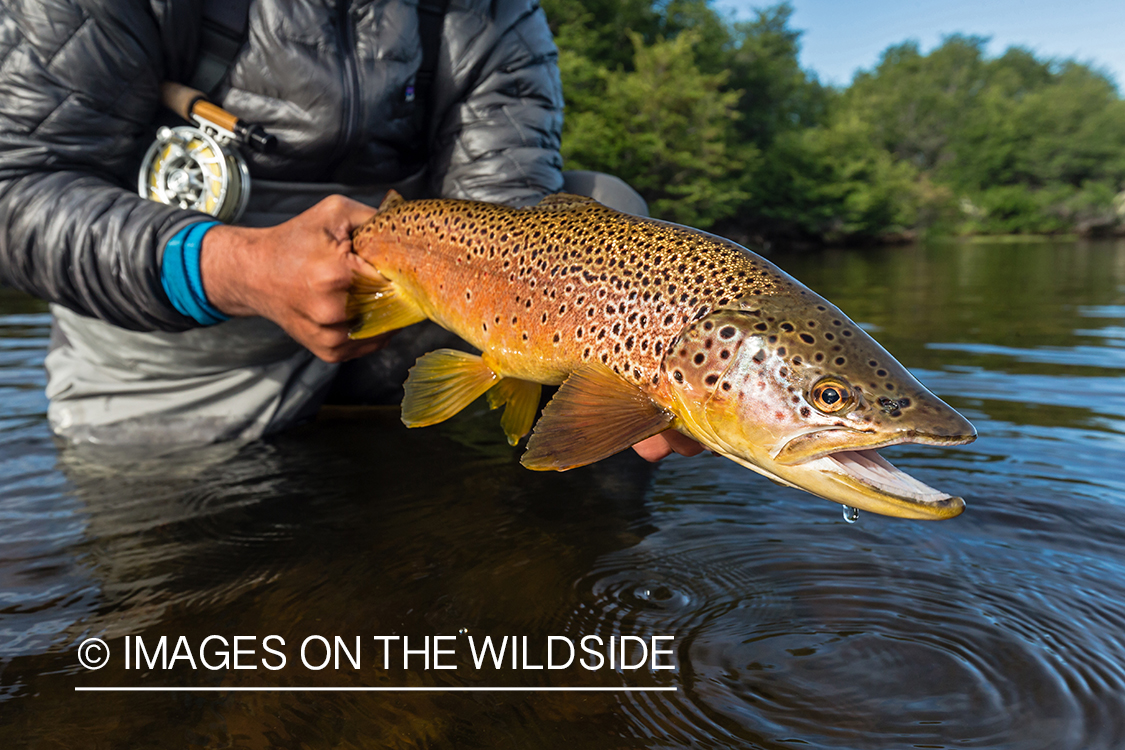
<point x="791" y="388"/>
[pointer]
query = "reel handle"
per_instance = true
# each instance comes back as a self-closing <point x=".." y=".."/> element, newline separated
<point x="191" y="104"/>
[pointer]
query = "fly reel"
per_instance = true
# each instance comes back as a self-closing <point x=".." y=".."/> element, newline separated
<point x="193" y="169"/>
<point x="199" y="167"/>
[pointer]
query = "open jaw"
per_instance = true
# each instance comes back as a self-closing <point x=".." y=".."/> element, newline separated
<point x="869" y="481"/>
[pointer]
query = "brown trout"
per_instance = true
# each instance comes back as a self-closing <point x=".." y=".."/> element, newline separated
<point x="647" y="326"/>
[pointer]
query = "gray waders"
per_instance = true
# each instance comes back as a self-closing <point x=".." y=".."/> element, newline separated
<point x="244" y="378"/>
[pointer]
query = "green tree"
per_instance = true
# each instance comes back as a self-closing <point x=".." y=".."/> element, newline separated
<point x="664" y="126"/>
<point x="717" y="125"/>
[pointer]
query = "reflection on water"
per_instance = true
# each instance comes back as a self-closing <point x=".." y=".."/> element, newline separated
<point x="1003" y="628"/>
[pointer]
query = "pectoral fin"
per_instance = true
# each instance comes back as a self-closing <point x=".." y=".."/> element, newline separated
<point x="443" y="383"/>
<point x="594" y="415"/>
<point x="520" y="399"/>
<point x="376" y="305"/>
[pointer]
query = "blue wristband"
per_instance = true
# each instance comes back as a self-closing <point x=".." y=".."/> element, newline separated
<point x="181" y="277"/>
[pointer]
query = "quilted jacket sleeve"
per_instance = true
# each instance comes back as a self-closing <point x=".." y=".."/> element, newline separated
<point x="498" y="136"/>
<point x="79" y="83"/>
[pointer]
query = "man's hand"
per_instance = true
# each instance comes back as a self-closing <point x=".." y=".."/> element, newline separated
<point x="296" y="274"/>
<point x="665" y="444"/>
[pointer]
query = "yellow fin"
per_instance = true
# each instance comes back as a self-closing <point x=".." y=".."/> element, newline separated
<point x="443" y="383"/>
<point x="594" y="415"/>
<point x="390" y="200"/>
<point x="522" y="399"/>
<point x="376" y="305"/>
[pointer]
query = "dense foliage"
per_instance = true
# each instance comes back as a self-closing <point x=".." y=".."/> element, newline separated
<point x="717" y="125"/>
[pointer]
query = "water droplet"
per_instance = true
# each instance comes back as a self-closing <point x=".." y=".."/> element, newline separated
<point x="851" y="515"/>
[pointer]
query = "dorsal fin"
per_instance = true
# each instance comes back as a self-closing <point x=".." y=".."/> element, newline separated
<point x="560" y="201"/>
<point x="391" y="200"/>
<point x="595" y="414"/>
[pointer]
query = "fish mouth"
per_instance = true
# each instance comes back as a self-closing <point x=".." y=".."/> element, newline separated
<point x="870" y="482"/>
<point x="843" y="465"/>
<point x="826" y="441"/>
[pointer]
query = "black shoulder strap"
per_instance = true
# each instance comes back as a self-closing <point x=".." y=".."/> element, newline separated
<point x="431" y="18"/>
<point x="221" y="35"/>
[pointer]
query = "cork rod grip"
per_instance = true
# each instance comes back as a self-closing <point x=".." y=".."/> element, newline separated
<point x="186" y="101"/>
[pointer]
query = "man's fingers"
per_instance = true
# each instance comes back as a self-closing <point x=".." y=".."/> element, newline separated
<point x="653" y="448"/>
<point x="331" y="343"/>
<point x="665" y="444"/>
<point x="681" y="443"/>
<point x="358" y="265"/>
<point x="346" y="213"/>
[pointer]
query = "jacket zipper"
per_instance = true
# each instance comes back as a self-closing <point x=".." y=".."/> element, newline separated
<point x="350" y="76"/>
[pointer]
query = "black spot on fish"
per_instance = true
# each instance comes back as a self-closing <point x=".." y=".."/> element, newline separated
<point x="807" y="338"/>
<point x="840" y="360"/>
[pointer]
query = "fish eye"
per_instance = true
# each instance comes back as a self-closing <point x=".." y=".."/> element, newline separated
<point x="830" y="396"/>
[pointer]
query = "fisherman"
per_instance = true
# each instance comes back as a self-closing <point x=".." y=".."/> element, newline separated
<point x="170" y="327"/>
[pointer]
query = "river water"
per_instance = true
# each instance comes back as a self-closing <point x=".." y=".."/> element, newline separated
<point x="1003" y="628"/>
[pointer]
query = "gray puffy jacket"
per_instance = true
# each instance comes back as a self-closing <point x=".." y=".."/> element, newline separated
<point x="79" y="91"/>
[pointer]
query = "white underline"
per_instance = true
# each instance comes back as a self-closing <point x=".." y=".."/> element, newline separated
<point x="106" y="689"/>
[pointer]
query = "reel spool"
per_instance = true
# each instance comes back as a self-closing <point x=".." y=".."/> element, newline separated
<point x="199" y="166"/>
<point x="190" y="168"/>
